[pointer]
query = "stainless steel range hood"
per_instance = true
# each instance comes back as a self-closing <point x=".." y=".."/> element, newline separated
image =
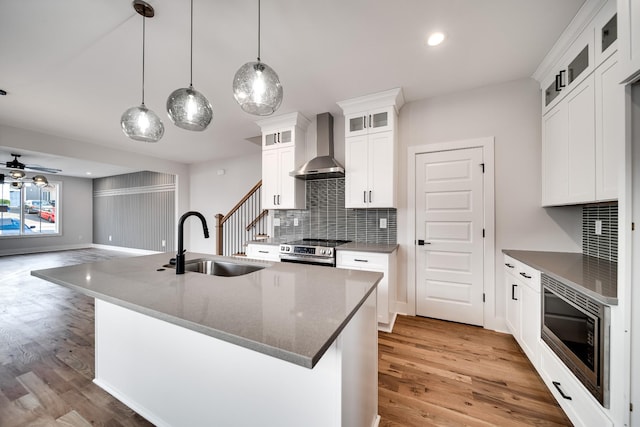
<point x="324" y="165"/>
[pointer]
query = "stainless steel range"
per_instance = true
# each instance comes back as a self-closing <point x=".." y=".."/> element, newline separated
<point x="311" y="251"/>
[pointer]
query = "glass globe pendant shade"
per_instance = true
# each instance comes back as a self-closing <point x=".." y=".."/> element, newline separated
<point x="17" y="174"/>
<point x="142" y="124"/>
<point x="40" y="180"/>
<point x="189" y="109"/>
<point x="16" y="185"/>
<point x="257" y="88"/>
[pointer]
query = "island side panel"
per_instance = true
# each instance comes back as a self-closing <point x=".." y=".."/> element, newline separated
<point x="358" y="344"/>
<point x="174" y="376"/>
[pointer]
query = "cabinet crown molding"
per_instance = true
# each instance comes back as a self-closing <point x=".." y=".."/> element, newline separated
<point x="291" y="119"/>
<point x="578" y="24"/>
<point x="383" y="99"/>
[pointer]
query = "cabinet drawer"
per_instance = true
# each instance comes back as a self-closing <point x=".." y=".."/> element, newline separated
<point x="263" y="252"/>
<point x="526" y="274"/>
<point x="578" y="404"/>
<point x="363" y="260"/>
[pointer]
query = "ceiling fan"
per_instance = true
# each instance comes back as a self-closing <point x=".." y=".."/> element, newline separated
<point x="16" y="164"/>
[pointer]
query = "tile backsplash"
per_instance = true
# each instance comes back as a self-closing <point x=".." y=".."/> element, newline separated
<point x="327" y="218"/>
<point x="604" y="245"/>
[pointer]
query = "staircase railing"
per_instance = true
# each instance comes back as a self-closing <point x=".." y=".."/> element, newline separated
<point x="245" y="221"/>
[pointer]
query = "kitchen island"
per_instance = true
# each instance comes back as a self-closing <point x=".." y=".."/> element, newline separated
<point x="286" y="345"/>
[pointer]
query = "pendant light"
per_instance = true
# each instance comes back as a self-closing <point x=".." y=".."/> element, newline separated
<point x="40" y="180"/>
<point x="256" y="86"/>
<point x="187" y="108"/>
<point x="139" y="122"/>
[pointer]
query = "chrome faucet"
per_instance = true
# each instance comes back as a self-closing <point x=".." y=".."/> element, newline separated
<point x="181" y="251"/>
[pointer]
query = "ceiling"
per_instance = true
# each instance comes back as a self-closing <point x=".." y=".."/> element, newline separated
<point x="72" y="67"/>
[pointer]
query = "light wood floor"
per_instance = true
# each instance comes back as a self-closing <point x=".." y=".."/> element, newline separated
<point x="430" y="372"/>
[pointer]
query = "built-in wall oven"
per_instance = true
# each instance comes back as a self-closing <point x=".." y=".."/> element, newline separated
<point x="576" y="328"/>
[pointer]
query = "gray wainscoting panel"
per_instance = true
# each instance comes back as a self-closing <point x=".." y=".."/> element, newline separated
<point x="136" y="210"/>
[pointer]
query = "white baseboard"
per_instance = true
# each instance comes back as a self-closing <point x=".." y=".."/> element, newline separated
<point x="40" y="249"/>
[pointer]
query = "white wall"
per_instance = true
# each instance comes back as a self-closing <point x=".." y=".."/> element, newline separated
<point x="510" y="112"/>
<point x="212" y="194"/>
<point x="76" y="213"/>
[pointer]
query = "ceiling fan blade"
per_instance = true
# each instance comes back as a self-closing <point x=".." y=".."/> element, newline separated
<point x="42" y="169"/>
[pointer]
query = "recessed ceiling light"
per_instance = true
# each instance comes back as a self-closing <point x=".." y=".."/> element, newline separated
<point x="435" y="39"/>
<point x="88" y="173"/>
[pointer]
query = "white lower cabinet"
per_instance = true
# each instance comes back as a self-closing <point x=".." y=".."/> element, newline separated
<point x="523" y="306"/>
<point x="581" y="408"/>
<point x="263" y="252"/>
<point x="386" y="290"/>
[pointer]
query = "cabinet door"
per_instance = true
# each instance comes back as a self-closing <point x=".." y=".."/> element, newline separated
<point x="530" y="306"/>
<point x="581" y="142"/>
<point x="629" y="38"/>
<point x="381" y="168"/>
<point x="355" y="124"/>
<point x="610" y="98"/>
<point x="287" y="163"/>
<point x="381" y="120"/>
<point x="270" y="178"/>
<point x="513" y="304"/>
<point x="555" y="180"/>
<point x="356" y="172"/>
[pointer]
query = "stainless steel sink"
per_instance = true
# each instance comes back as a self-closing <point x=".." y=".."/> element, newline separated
<point x="218" y="268"/>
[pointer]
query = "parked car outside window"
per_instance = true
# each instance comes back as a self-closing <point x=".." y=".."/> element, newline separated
<point x="34" y="206"/>
<point x="48" y="213"/>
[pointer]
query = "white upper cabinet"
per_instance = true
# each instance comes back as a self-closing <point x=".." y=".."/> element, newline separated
<point x="582" y="107"/>
<point x="629" y="35"/>
<point x="370" y="149"/>
<point x="283" y="149"/>
<point x="366" y="122"/>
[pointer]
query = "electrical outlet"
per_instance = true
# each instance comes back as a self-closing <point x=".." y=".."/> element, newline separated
<point x="276" y="222"/>
<point x="383" y="222"/>
<point x="295" y="222"/>
<point x="110" y="238"/>
<point x="598" y="227"/>
<point x="164" y="243"/>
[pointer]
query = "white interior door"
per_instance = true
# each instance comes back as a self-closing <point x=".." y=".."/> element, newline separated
<point x="450" y="220"/>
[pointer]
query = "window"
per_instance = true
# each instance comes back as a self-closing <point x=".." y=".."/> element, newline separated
<point x="29" y="210"/>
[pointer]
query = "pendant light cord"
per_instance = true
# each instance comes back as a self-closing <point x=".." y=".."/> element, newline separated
<point x="143" y="35"/>
<point x="258" y="30"/>
<point x="191" y="60"/>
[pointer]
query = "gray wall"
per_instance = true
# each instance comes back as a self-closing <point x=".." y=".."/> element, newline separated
<point x="135" y="210"/>
<point x="511" y="113"/>
<point x="216" y="187"/>
<point x="75" y="213"/>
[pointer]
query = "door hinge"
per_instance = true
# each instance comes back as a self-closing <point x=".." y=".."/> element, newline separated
<point x="482" y="166"/>
<point x="483" y="233"/>
<point x="633" y="226"/>
<point x="630" y="407"/>
<point x="483" y="297"/>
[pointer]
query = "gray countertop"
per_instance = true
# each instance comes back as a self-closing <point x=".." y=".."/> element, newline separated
<point x="367" y="247"/>
<point x="290" y="311"/>
<point x="592" y="276"/>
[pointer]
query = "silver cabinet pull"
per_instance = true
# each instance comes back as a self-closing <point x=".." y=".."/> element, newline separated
<point x="508" y="265"/>
<point x="369" y="196"/>
<point x="274" y="199"/>
<point x="360" y="260"/>
<point x="364" y="196"/>
<point x="525" y="275"/>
